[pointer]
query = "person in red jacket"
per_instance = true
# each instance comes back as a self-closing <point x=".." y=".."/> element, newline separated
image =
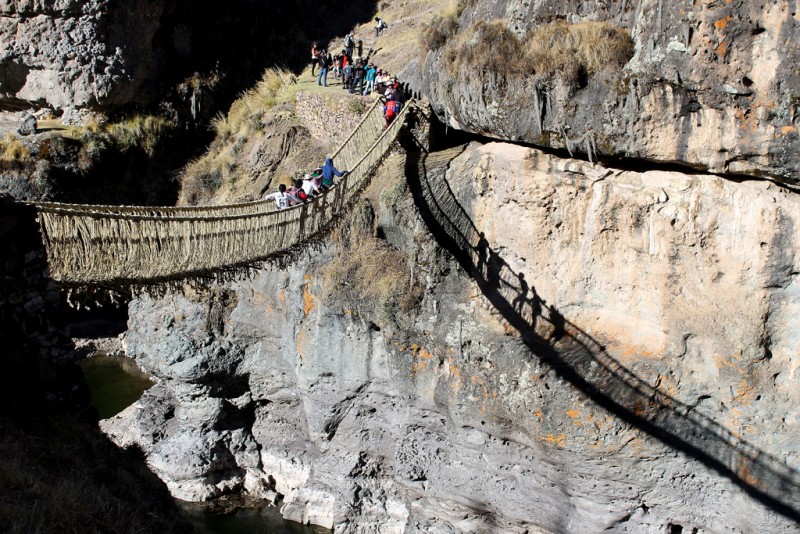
<point x="390" y="110"/>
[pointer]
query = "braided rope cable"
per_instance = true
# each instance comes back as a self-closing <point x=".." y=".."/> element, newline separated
<point x="94" y="244"/>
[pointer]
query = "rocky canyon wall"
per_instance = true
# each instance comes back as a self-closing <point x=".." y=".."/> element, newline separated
<point x="466" y="414"/>
<point x="107" y="56"/>
<point x="712" y="85"/>
<point x="76" y="54"/>
<point x="586" y="347"/>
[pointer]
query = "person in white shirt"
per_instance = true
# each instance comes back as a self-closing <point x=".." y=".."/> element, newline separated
<point x="310" y="186"/>
<point x="380" y="26"/>
<point x="281" y="198"/>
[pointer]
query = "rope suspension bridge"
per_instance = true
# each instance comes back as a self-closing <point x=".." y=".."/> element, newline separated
<point x="106" y="245"/>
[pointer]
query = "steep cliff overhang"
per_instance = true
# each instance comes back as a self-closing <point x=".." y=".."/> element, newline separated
<point x="712" y="86"/>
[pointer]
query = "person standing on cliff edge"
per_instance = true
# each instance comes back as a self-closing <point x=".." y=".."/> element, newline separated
<point x="314" y="56"/>
<point x="324" y="62"/>
<point x="380" y="26"/>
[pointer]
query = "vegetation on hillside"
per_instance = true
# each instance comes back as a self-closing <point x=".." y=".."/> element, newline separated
<point x="40" y="166"/>
<point x="367" y="274"/>
<point x="246" y="118"/>
<point x="443" y="26"/>
<point x="60" y="474"/>
<point x="13" y="152"/>
<point x="569" y="52"/>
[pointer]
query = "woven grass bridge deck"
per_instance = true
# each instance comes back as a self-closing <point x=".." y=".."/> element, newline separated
<point x="99" y="245"/>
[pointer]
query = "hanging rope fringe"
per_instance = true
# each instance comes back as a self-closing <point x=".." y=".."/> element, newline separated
<point x="587" y="139"/>
<point x="95" y="244"/>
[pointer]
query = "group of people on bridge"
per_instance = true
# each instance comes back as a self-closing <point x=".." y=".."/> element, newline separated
<point x="306" y="188"/>
<point x="359" y="76"/>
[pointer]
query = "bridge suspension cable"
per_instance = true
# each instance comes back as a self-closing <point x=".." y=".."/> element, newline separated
<point x="100" y="244"/>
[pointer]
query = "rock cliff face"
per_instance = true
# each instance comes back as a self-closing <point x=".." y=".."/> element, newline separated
<point x="710" y="84"/>
<point x="592" y="347"/>
<point x="493" y="406"/>
<point x="76" y="54"/>
<point x="106" y="55"/>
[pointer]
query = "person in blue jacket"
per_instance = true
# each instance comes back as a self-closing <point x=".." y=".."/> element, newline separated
<point x="328" y="172"/>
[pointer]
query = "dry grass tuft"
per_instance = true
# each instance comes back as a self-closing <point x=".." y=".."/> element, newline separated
<point x="557" y="50"/>
<point x="247" y="118"/>
<point x="442" y="27"/>
<point x="247" y="114"/>
<point x="139" y="131"/>
<point x="367" y="273"/>
<point x="591" y="46"/>
<point x="487" y="47"/>
<point x="13" y="152"/>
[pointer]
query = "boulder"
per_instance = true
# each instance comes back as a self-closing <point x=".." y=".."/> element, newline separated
<point x="28" y="125"/>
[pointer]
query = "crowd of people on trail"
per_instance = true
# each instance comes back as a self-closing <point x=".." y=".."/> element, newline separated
<point x="358" y="76"/>
<point x="357" y="73"/>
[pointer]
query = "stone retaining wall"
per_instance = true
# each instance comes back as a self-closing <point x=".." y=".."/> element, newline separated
<point x="330" y="116"/>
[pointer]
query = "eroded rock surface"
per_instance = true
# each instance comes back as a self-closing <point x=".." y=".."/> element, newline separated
<point x="68" y="54"/>
<point x="710" y="84"/>
<point x="453" y="419"/>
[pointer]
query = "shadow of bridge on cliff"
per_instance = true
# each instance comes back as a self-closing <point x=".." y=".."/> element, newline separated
<point x="584" y="362"/>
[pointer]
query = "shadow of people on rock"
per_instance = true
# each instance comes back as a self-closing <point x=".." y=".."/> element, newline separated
<point x="582" y="360"/>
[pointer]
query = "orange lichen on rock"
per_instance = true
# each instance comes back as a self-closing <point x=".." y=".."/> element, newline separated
<point x="455" y="373"/>
<point x="309" y="300"/>
<point x="745" y="392"/>
<point x="742" y="468"/>
<point x="559" y="440"/>
<point x="420" y="358"/>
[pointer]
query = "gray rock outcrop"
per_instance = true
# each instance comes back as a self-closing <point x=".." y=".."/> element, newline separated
<point x="712" y="85"/>
<point x="28" y="125"/>
<point x="449" y="420"/>
<point x="65" y="53"/>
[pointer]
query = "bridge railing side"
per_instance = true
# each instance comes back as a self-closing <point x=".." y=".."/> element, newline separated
<point x="111" y="244"/>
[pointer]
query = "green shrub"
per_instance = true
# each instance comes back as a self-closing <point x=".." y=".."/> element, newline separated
<point x="356" y="106"/>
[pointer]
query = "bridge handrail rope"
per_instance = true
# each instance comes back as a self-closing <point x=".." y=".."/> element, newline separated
<point x="340" y="156"/>
<point x="89" y="244"/>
